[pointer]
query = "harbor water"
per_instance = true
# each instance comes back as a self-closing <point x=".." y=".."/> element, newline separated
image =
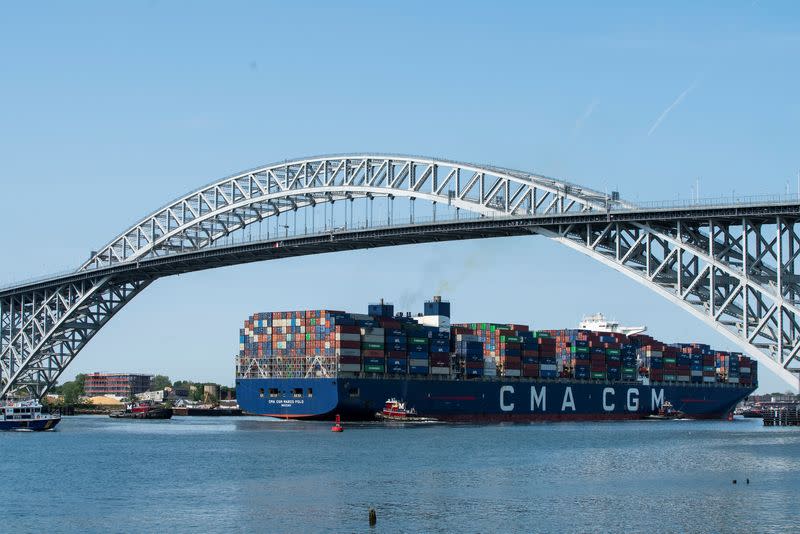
<point x="243" y="474"/>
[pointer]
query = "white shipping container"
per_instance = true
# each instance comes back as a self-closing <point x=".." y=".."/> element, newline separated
<point x="439" y="321"/>
<point x="418" y="363"/>
<point x="734" y="380"/>
<point x="547" y="367"/>
<point x="466" y="337"/>
<point x="349" y="367"/>
<point x="347" y="337"/>
<point x="697" y="373"/>
<point x="490" y="372"/>
<point x="512" y="372"/>
<point x="440" y="370"/>
<point x="744" y="370"/>
<point x="682" y="378"/>
<point x="709" y="379"/>
<point x="368" y="338"/>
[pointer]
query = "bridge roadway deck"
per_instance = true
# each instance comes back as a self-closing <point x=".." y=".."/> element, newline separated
<point x="406" y="234"/>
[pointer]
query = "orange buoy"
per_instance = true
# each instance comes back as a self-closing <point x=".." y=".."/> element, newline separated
<point x="337" y="427"/>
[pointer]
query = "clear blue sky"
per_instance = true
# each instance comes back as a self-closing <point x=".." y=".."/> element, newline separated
<point x="110" y="109"/>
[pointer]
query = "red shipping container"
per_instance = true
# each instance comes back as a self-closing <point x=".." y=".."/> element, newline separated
<point x="372" y="353"/>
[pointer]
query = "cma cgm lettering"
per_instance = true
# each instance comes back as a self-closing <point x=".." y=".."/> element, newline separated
<point x="318" y="363"/>
<point x="568" y="404"/>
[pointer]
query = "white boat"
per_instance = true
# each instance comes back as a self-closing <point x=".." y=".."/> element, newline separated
<point x="26" y="416"/>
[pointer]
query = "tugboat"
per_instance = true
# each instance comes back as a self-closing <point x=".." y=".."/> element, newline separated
<point x="143" y="410"/>
<point x="667" y="411"/>
<point x="755" y="411"/>
<point x="26" y="416"/>
<point x="395" y="410"/>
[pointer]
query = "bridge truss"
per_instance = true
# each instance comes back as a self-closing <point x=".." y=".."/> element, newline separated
<point x="731" y="266"/>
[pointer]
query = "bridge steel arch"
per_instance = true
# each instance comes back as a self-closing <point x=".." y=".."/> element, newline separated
<point x="733" y="267"/>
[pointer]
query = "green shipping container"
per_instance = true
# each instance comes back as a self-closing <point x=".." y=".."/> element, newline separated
<point x="598" y="375"/>
<point x="374" y="368"/>
<point x="417" y="340"/>
<point x="372" y="346"/>
<point x="629" y="370"/>
<point x="580" y="350"/>
<point x="669" y="378"/>
<point x="669" y="360"/>
<point x="612" y="352"/>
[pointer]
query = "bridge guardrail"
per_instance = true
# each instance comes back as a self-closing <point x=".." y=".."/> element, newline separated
<point x="234" y="239"/>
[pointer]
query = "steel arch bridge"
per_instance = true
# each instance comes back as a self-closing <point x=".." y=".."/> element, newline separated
<point x="732" y="265"/>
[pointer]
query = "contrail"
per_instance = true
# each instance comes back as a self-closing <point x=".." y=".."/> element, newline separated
<point x="585" y="116"/>
<point x="670" y="108"/>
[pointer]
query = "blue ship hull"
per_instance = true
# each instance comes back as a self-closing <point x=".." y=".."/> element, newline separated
<point x="502" y="399"/>
<point x="30" y="424"/>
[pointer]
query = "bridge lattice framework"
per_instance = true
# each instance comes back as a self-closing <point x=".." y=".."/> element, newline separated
<point x="734" y="266"/>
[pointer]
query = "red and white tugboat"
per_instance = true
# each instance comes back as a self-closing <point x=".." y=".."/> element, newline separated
<point x="396" y="410"/>
<point x="667" y="411"/>
<point x="143" y="410"/>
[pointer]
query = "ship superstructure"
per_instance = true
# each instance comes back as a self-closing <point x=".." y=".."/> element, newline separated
<point x="599" y="323"/>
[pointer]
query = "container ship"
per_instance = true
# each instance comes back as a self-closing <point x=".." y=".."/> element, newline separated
<point x="315" y="364"/>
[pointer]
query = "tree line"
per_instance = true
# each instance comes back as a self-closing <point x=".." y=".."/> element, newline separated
<point x="72" y="390"/>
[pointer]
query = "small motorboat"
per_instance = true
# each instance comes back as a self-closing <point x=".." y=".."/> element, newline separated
<point x="143" y="410"/>
<point x="26" y="416"/>
<point x="396" y="410"/>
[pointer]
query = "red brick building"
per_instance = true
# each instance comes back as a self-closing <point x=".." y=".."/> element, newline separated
<point x="117" y="384"/>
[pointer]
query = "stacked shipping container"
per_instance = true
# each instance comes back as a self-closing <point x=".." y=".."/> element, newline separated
<point x="317" y="343"/>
